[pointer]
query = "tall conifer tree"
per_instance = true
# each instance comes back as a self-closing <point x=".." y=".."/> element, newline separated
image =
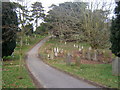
<point x="115" y="31"/>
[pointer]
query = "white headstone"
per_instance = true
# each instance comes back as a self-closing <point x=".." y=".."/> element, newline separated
<point x="48" y="56"/>
<point x="54" y="50"/>
<point x="74" y="45"/>
<point x="57" y="50"/>
<point x="103" y="51"/>
<point x="90" y="48"/>
<point x="56" y="54"/>
<point x="82" y="47"/>
<point x="77" y="46"/>
<point x="65" y="43"/>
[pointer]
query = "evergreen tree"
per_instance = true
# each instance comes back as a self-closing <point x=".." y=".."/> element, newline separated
<point x="115" y="32"/>
<point x="37" y="12"/>
<point x="9" y="27"/>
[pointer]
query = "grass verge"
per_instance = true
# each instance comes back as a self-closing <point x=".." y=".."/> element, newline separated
<point x="14" y="73"/>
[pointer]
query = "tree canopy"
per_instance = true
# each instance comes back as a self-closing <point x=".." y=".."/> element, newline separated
<point x="9" y="28"/>
<point x="115" y="31"/>
<point x="75" y="21"/>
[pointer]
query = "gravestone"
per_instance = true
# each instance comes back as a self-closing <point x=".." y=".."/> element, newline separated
<point x="45" y="48"/>
<point x="26" y="41"/>
<point x="57" y="50"/>
<point x="68" y="60"/>
<point x="52" y="55"/>
<point x="74" y="45"/>
<point x="12" y="55"/>
<point x="80" y="49"/>
<point x="83" y="54"/>
<point x="61" y="51"/>
<point x="116" y="66"/>
<point x="48" y="56"/>
<point x="65" y="43"/>
<point x="89" y="53"/>
<point x="35" y="36"/>
<point x="95" y="56"/>
<point x="54" y="50"/>
<point x="77" y="61"/>
<point x="56" y="54"/>
<point x="77" y="46"/>
<point x="103" y="51"/>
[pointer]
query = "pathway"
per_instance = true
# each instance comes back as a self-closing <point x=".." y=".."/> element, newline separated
<point x="49" y="77"/>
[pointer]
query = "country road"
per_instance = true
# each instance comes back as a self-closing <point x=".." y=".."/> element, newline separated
<point x="49" y="77"/>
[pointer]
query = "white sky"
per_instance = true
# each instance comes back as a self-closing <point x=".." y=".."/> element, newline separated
<point x="47" y="3"/>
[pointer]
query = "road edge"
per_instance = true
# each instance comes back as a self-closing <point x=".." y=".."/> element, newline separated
<point x="34" y="80"/>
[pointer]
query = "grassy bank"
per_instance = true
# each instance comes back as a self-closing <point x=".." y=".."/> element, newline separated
<point x="14" y="73"/>
<point x="94" y="71"/>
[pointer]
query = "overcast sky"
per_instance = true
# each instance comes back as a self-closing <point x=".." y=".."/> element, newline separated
<point x="47" y="3"/>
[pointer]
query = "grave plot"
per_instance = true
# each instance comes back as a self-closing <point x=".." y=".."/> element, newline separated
<point x="59" y="51"/>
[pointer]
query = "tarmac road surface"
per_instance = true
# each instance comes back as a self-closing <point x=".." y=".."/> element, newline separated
<point x="49" y="77"/>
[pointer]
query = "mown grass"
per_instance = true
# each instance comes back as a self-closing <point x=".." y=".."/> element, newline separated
<point x="99" y="73"/>
<point x="14" y="73"/>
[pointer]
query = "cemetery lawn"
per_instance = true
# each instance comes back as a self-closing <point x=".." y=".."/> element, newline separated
<point x="94" y="71"/>
<point x="14" y="76"/>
